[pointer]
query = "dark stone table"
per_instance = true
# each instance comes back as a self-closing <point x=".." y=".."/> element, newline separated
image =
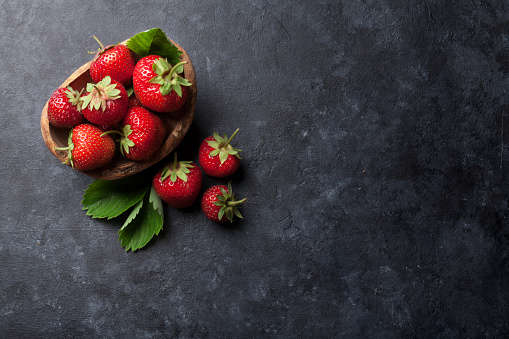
<point x="375" y="163"/>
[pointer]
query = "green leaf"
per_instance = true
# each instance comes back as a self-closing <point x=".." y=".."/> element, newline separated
<point x="165" y="172"/>
<point x="237" y="213"/>
<point x="217" y="137"/>
<point x="179" y="69"/>
<point x="106" y="81"/>
<point x="177" y="90"/>
<point x="133" y="214"/>
<point x="182" y="176"/>
<point x="214" y="152"/>
<point x="183" y="81"/>
<point x="223" y="191"/>
<point x="221" y="212"/>
<point x="114" y="92"/>
<point x="165" y="88"/>
<point x="110" y="198"/>
<point x="213" y="144"/>
<point x="157" y="80"/>
<point x="142" y="225"/>
<point x="156" y="201"/>
<point x="223" y="156"/>
<point x="229" y="214"/>
<point x="154" y="41"/>
<point x="86" y="101"/>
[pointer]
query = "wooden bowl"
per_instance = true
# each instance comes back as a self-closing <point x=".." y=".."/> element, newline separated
<point x="176" y="123"/>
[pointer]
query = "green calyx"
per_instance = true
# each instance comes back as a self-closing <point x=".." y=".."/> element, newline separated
<point x="168" y="77"/>
<point x="74" y="97"/>
<point x="125" y="142"/>
<point x="178" y="170"/>
<point x="100" y="93"/>
<point x="228" y="203"/>
<point x="222" y="147"/>
<point x="69" y="149"/>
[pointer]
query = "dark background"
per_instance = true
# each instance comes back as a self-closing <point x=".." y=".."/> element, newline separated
<point x="375" y="163"/>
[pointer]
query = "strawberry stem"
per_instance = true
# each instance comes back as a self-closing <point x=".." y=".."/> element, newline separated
<point x="69" y="149"/>
<point x="175" y="161"/>
<point x="112" y="131"/>
<point x="235" y="203"/>
<point x="62" y="148"/>
<point x="174" y="68"/>
<point x="228" y="142"/>
<point x="99" y="42"/>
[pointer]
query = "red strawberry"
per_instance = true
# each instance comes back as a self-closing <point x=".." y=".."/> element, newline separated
<point x="64" y="108"/>
<point x="114" y="61"/>
<point x="217" y="157"/>
<point x="88" y="148"/>
<point x="105" y="103"/>
<point x="158" y="85"/>
<point x="178" y="184"/>
<point x="218" y="203"/>
<point x="141" y="135"/>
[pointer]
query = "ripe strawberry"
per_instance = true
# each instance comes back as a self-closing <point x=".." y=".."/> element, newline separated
<point x="64" y="108"/>
<point x="105" y="103"/>
<point x="217" y="157"/>
<point x="158" y="85"/>
<point x="142" y="134"/>
<point x="115" y="61"/>
<point x="218" y="203"/>
<point x="178" y="184"/>
<point x="87" y="148"/>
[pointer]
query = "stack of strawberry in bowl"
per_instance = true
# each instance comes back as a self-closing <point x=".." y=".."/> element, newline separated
<point x="127" y="109"/>
<point x="128" y="99"/>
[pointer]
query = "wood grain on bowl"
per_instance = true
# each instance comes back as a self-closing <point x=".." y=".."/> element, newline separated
<point x="176" y="123"/>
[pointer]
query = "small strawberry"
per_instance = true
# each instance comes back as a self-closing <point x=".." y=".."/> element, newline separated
<point x="158" y="85"/>
<point x="218" y="203"/>
<point x="142" y="134"/>
<point x="115" y="61"/>
<point x="105" y="103"/>
<point x="217" y="157"/>
<point x="178" y="184"/>
<point x="87" y="148"/>
<point x="64" y="108"/>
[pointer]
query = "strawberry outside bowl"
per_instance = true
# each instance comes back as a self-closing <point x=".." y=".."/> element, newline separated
<point x="176" y="124"/>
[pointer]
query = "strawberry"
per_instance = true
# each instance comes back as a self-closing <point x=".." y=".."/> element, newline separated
<point x="218" y="203"/>
<point x="115" y="61"/>
<point x="142" y="134"/>
<point x="217" y="157"/>
<point x="87" y="148"/>
<point x="178" y="184"/>
<point x="105" y="103"/>
<point x="158" y="85"/>
<point x="64" y="108"/>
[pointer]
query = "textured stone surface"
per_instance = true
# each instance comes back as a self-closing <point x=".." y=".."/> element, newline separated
<point x="375" y="165"/>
